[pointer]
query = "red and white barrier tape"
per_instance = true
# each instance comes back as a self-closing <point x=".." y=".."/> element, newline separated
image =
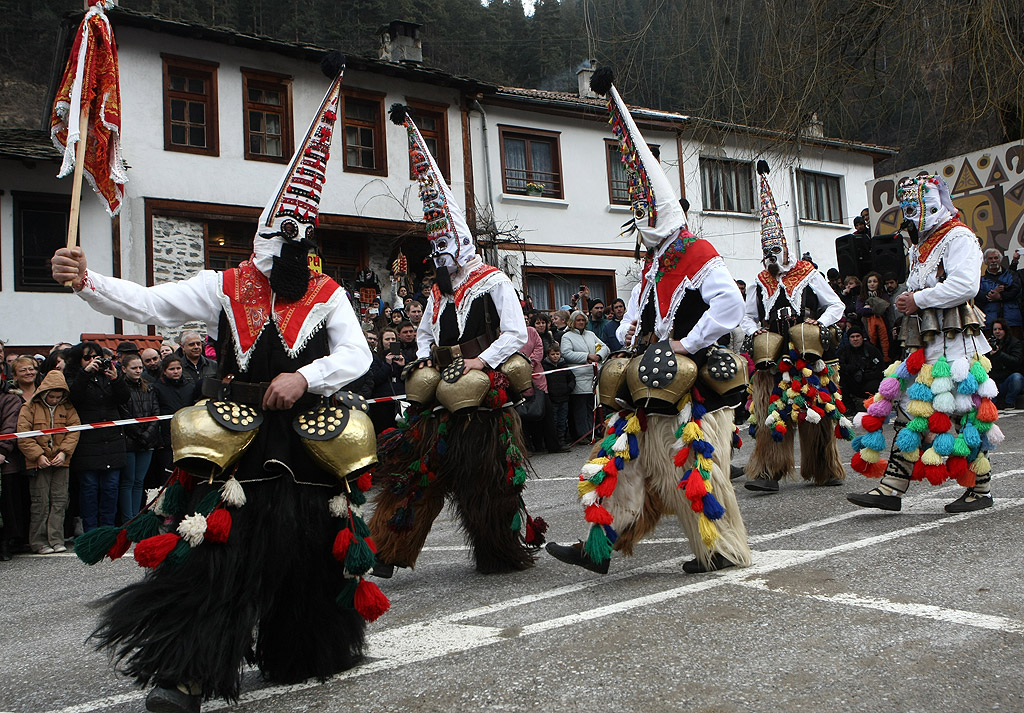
<point x="151" y="419"/>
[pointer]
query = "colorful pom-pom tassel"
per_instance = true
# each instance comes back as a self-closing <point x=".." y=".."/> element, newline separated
<point x="597" y="515"/>
<point x="943" y="444"/>
<point x="598" y="547"/>
<point x="915" y="361"/>
<point x="152" y="551"/>
<point x="874" y="440"/>
<point x="944" y="402"/>
<point x="369" y="601"/>
<point x="120" y="546"/>
<point x="93" y="545"/>
<point x="908" y="440"/>
<point x="218" y="525"/>
<point x="961" y="368"/>
<point x="939" y="423"/>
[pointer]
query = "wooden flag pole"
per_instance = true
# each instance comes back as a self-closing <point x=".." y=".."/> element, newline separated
<point x="76" y="186"/>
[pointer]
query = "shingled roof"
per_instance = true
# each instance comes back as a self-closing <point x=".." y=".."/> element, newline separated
<point x="27" y="145"/>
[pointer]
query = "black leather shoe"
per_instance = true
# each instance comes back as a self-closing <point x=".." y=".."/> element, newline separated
<point x="762" y="485"/>
<point x="574" y="554"/>
<point x="172" y="700"/>
<point x="383" y="570"/>
<point x="969" y="502"/>
<point x="875" y="499"/>
<point x="718" y="561"/>
<point x="735" y="471"/>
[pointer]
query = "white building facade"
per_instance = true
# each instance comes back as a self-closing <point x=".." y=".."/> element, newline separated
<point x="211" y="117"/>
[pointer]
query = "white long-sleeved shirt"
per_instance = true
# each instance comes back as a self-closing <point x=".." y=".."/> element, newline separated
<point x="725" y="309"/>
<point x="173" y="303"/>
<point x="816" y="282"/>
<point x="511" y="325"/>
<point x="961" y="258"/>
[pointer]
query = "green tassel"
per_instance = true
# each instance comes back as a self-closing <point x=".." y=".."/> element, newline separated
<point x="174" y="500"/>
<point x="598" y="546"/>
<point x="519" y="477"/>
<point x="941" y="368"/>
<point x="359" y="557"/>
<point x="179" y="554"/>
<point x="425" y="480"/>
<point x="359" y="526"/>
<point x="960" y="447"/>
<point x="442" y="428"/>
<point x="918" y="424"/>
<point x="608" y="443"/>
<point x="93" y="545"/>
<point x="208" y="503"/>
<point x="356" y="497"/>
<point x="347" y="597"/>
<point x="147" y="524"/>
<point x="517" y="522"/>
<point x="978" y="371"/>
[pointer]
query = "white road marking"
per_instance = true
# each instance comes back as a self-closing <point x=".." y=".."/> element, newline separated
<point x="422" y="641"/>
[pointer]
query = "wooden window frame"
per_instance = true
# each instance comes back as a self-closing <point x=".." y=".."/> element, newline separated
<point x="613" y="154"/>
<point x="827" y="179"/>
<point x="443" y="156"/>
<point x="549" y="273"/>
<point x="529" y="134"/>
<point x="21" y="200"/>
<point x="208" y="71"/>
<point x="747" y="185"/>
<point x="380" y="153"/>
<point x="279" y="82"/>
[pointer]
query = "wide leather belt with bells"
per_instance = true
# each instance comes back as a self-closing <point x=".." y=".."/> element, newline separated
<point x="245" y="393"/>
<point x="445" y="356"/>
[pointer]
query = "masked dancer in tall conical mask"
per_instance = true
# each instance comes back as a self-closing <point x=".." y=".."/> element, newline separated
<point x="795" y="387"/>
<point x="667" y="447"/>
<point x="264" y="559"/>
<point x="941" y="396"/>
<point x="462" y="439"/>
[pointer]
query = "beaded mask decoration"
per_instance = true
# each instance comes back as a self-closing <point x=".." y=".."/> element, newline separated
<point x="925" y="202"/>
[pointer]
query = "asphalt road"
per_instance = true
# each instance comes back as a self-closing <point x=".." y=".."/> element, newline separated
<point x="843" y="609"/>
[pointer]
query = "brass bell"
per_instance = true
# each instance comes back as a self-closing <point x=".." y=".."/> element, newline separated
<point x="350" y="452"/>
<point x="720" y="376"/>
<point x="910" y="332"/>
<point x="203" y="447"/>
<point x="467" y="392"/>
<point x="519" y="372"/>
<point x="662" y="396"/>
<point x="806" y="340"/>
<point x="971" y="318"/>
<point x="609" y="382"/>
<point x="951" y="322"/>
<point x="421" y="385"/>
<point x="929" y="325"/>
<point x="766" y="349"/>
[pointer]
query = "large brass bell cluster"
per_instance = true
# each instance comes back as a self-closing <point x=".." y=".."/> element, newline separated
<point x="807" y="340"/>
<point x="209" y="437"/>
<point x="724" y="371"/>
<point x="766" y="349"/>
<point x="611" y="379"/>
<point x="659" y="378"/>
<point x="917" y="330"/>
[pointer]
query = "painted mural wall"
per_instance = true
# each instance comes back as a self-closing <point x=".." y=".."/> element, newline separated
<point x="987" y="186"/>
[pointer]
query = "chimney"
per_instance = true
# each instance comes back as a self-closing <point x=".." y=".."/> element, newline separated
<point x="583" y="75"/>
<point x="400" y="41"/>
<point x="813" y="128"/>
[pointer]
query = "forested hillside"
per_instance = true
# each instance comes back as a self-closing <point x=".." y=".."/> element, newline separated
<point x="934" y="78"/>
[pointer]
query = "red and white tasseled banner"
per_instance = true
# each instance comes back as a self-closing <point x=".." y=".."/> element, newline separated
<point x="150" y="419"/>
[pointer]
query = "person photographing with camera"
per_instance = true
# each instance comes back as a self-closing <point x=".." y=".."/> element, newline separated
<point x="97" y="389"/>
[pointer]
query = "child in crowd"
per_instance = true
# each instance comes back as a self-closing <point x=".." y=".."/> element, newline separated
<point x="46" y="460"/>
<point x="560" y="385"/>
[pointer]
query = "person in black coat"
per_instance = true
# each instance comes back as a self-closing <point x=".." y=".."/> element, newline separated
<point x="1006" y="357"/>
<point x="560" y="386"/>
<point x="387" y="380"/>
<point x="861" y="366"/>
<point x="97" y="390"/>
<point x="140" y="439"/>
<point x="172" y="393"/>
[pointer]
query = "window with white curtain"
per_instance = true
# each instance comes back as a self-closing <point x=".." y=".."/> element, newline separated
<point x="552" y="288"/>
<point x="820" y="198"/>
<point x="726" y="185"/>
<point x="530" y="158"/>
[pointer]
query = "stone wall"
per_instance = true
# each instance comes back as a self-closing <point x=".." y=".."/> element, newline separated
<point x="178" y="253"/>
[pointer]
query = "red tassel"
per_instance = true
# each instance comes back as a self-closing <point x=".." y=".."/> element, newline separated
<point x="939" y="422"/>
<point x="858" y="463"/>
<point x="871" y="423"/>
<point x="370" y="602"/>
<point x="811" y="392"/>
<point x="918" y="472"/>
<point x="371" y="544"/>
<point x="152" y="551"/>
<point x="120" y="546"/>
<point x="936" y="474"/>
<point x="915" y="361"/>
<point x="341" y="543"/>
<point x="364" y="482"/>
<point x="695" y="486"/>
<point x="967" y="479"/>
<point x="876" y="470"/>
<point x="607" y="486"/>
<point x="610" y="468"/>
<point x="218" y="526"/>
<point x="597" y="515"/>
<point x="681" y="456"/>
<point x="958" y="467"/>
